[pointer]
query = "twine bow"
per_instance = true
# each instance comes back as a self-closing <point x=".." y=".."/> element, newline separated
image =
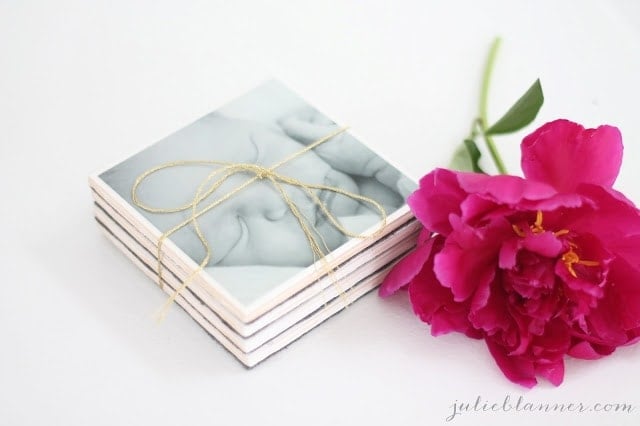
<point x="225" y="170"/>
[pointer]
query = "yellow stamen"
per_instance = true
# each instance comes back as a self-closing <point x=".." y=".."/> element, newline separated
<point x="588" y="263"/>
<point x="538" y="222"/>
<point x="571" y="258"/>
<point x="518" y="231"/>
<point x="537" y="228"/>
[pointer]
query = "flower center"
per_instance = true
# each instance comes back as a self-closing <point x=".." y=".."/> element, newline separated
<point x="570" y="257"/>
<point x="537" y="227"/>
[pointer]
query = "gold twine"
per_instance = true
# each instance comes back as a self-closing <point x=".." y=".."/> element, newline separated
<point x="224" y="171"/>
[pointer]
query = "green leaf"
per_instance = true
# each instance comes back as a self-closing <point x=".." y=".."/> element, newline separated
<point x="474" y="154"/>
<point x="521" y="113"/>
<point x="466" y="157"/>
<point x="461" y="160"/>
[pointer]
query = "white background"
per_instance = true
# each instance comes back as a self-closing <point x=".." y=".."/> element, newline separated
<point x="84" y="84"/>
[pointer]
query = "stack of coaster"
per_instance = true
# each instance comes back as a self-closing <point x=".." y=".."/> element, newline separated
<point x="261" y="219"/>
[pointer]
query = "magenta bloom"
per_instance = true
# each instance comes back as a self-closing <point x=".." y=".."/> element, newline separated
<point x="538" y="267"/>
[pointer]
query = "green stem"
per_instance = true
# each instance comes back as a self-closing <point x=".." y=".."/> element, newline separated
<point x="484" y="95"/>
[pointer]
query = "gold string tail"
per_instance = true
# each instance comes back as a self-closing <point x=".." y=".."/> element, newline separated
<point x="216" y="178"/>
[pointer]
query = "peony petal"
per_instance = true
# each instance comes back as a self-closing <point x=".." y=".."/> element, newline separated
<point x="517" y="369"/>
<point x="468" y="260"/>
<point x="609" y="217"/>
<point x="554" y="342"/>
<point x="627" y="248"/>
<point x="583" y="350"/>
<point x="463" y="270"/>
<point x="634" y="336"/>
<point x="476" y="207"/>
<point x="532" y="279"/>
<point x="424" y="236"/>
<point x="564" y="154"/>
<point x="523" y="335"/>
<point x="508" y="254"/>
<point x="554" y="372"/>
<point x="426" y="293"/>
<point x="545" y="244"/>
<point x="504" y="189"/>
<point x="492" y="315"/>
<point x="407" y="268"/>
<point x="625" y="295"/>
<point x="446" y="320"/>
<point x="555" y="202"/>
<point x="605" y="322"/>
<point x="439" y="195"/>
<point x="579" y="287"/>
<point x="434" y="303"/>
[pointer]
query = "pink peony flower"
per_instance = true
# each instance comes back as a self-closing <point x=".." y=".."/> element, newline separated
<point x="538" y="267"/>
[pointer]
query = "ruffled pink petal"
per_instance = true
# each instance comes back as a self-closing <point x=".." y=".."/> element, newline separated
<point x="553" y="203"/>
<point x="553" y="342"/>
<point x="533" y="278"/>
<point x="407" y="268"/>
<point x="524" y="337"/>
<point x="634" y="336"/>
<point x="492" y="315"/>
<point x="426" y="294"/>
<point x="545" y="244"/>
<point x="605" y="322"/>
<point x="504" y="189"/>
<point x="434" y="305"/>
<point x="423" y="236"/>
<point x="468" y="259"/>
<point x="439" y="195"/>
<point x="628" y="249"/>
<point x="564" y="154"/>
<point x="544" y="308"/>
<point x="517" y="369"/>
<point x="583" y="350"/>
<point x="580" y="287"/>
<point x="445" y="320"/>
<point x="480" y="297"/>
<point x="508" y="254"/>
<point x="463" y="270"/>
<point x="610" y="218"/>
<point x="554" y="372"/>
<point x="476" y="207"/>
<point x="625" y="295"/>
